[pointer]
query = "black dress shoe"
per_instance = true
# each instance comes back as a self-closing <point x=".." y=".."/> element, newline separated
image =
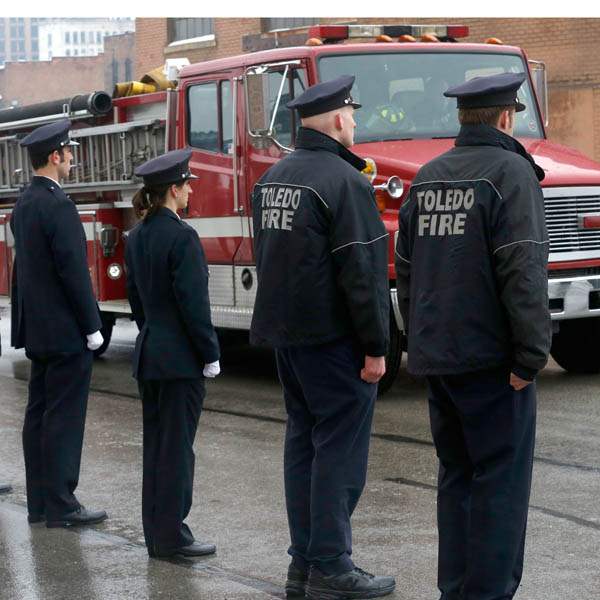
<point x="36" y="517"/>
<point x="352" y="585"/>
<point x="194" y="549"/>
<point x="81" y="516"/>
<point x="295" y="584"/>
<point x="5" y="488"/>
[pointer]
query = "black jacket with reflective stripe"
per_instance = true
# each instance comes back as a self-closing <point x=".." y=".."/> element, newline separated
<point x="471" y="260"/>
<point x="321" y="251"/>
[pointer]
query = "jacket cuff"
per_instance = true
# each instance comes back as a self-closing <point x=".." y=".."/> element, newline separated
<point x="375" y="350"/>
<point x="524" y="372"/>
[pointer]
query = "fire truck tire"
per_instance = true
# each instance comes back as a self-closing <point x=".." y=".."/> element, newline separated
<point x="393" y="358"/>
<point x="574" y="346"/>
<point x="108" y="322"/>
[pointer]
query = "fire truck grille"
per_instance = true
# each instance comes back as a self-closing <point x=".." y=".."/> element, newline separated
<point x="564" y="207"/>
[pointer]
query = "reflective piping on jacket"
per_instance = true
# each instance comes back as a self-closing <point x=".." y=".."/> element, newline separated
<point x="459" y="181"/>
<point x="401" y="257"/>
<point x="306" y="187"/>
<point x="362" y="243"/>
<point x="521" y="242"/>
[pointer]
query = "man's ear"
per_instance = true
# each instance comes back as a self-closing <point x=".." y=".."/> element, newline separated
<point x="54" y="157"/>
<point x="338" y="121"/>
<point x="504" y="120"/>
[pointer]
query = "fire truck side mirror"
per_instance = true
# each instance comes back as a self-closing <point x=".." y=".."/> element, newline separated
<point x="540" y="83"/>
<point x="257" y="102"/>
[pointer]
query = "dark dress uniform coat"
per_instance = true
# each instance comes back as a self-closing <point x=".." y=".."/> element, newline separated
<point x="323" y="304"/>
<point x="167" y="287"/>
<point x="471" y="273"/>
<point x="53" y="309"/>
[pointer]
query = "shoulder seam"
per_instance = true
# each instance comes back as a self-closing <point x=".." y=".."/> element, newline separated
<point x="459" y="181"/>
<point x="298" y="186"/>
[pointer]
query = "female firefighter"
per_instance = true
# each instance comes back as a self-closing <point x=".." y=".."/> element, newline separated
<point x="177" y="347"/>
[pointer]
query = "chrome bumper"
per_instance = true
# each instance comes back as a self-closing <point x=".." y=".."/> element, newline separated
<point x="574" y="297"/>
<point x="571" y="298"/>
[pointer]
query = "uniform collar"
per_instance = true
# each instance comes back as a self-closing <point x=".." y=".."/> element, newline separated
<point x="163" y="211"/>
<point x="47" y="178"/>
<point x="311" y="139"/>
<point x="486" y="135"/>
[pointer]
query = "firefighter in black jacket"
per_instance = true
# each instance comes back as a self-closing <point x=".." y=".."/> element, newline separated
<point x="323" y="304"/>
<point x="471" y="265"/>
<point x="55" y="318"/>
<point x="177" y="347"/>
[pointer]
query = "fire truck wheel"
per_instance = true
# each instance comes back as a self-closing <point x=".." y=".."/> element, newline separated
<point x="107" y="328"/>
<point x="393" y="358"/>
<point x="574" y="346"/>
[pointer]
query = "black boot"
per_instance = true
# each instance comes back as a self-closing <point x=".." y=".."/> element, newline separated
<point x="355" y="584"/>
<point x="295" y="585"/>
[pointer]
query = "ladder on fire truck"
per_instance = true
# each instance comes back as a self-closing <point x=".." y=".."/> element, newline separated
<point x="104" y="160"/>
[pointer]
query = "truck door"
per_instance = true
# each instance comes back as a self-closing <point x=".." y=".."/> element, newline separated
<point x="214" y="210"/>
<point x="282" y="83"/>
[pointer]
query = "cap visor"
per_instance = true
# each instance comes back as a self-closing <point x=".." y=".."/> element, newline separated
<point x="73" y="143"/>
<point x="192" y="176"/>
<point x="355" y="105"/>
<point x="519" y="107"/>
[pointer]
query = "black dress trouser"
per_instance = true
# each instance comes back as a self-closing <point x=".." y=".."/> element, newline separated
<point x="171" y="411"/>
<point x="330" y="412"/>
<point x="53" y="431"/>
<point x="484" y="434"/>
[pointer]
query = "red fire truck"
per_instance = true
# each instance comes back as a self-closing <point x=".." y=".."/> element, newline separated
<point x="232" y="113"/>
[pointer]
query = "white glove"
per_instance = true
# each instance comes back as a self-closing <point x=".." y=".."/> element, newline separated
<point x="94" y="340"/>
<point x="212" y="369"/>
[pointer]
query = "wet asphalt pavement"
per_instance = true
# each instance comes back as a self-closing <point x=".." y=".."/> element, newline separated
<point x="238" y="495"/>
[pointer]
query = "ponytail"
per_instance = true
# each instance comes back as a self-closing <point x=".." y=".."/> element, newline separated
<point x="149" y="199"/>
<point x="141" y="202"/>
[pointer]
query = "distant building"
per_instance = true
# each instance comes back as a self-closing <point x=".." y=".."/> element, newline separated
<point x="78" y="37"/>
<point x="30" y="82"/>
<point x="19" y="39"/>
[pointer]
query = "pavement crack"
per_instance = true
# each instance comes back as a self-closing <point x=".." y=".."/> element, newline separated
<point x="546" y="511"/>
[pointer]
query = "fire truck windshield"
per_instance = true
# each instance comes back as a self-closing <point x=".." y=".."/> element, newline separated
<point x="402" y="93"/>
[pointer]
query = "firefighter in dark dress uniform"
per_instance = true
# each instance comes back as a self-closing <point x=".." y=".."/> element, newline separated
<point x="56" y="319"/>
<point x="471" y="265"/>
<point x="177" y="347"/>
<point x="323" y="304"/>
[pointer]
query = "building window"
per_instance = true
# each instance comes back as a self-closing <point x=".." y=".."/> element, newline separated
<point x="68" y="52"/>
<point x="128" y="70"/>
<point x="98" y="37"/>
<point x="76" y="37"/>
<point x="287" y="23"/>
<point x="67" y="37"/>
<point x="115" y="71"/>
<point x="49" y="40"/>
<point x="185" y="29"/>
<point x="75" y="52"/>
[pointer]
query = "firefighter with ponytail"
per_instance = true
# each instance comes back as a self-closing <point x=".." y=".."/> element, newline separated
<point x="176" y="349"/>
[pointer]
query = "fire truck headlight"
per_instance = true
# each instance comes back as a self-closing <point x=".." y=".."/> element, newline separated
<point x="114" y="271"/>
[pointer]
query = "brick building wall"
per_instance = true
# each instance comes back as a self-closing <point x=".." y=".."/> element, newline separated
<point x="40" y="81"/>
<point x="567" y="46"/>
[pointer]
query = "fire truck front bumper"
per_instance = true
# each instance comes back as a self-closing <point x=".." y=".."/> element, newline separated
<point x="568" y="298"/>
<point x="574" y="297"/>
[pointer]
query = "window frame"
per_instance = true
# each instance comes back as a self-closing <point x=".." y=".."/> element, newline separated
<point x="172" y="23"/>
<point x="218" y="82"/>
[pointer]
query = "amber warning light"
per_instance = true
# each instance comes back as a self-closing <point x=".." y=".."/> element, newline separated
<point x="333" y="33"/>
